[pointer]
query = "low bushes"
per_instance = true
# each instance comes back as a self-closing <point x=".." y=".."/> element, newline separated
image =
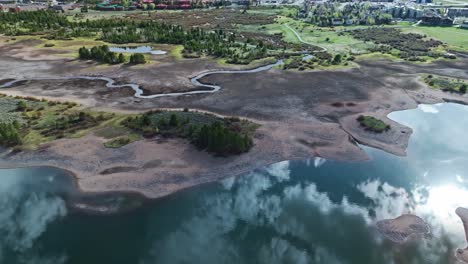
<point x="373" y="124"/>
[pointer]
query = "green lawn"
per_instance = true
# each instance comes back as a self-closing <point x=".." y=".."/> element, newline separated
<point x="455" y="37"/>
<point x="330" y="38"/>
<point x="44" y="121"/>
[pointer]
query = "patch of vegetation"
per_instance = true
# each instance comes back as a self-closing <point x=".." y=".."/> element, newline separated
<point x="221" y="136"/>
<point x="446" y="84"/>
<point x="101" y="54"/>
<point x="9" y="135"/>
<point x="196" y="41"/>
<point x="137" y="58"/>
<point x="29" y="122"/>
<point x="121" y="141"/>
<point x="407" y="46"/>
<point x="457" y="38"/>
<point x="373" y="124"/>
<point x="330" y="14"/>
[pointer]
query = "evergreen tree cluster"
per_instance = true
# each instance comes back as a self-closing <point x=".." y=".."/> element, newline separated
<point x="31" y="22"/>
<point x="137" y="58"/>
<point x="101" y="54"/>
<point x="196" y="41"/>
<point x="9" y="135"/>
<point x="217" y="138"/>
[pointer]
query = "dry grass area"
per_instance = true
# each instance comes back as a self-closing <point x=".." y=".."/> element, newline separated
<point x="208" y="19"/>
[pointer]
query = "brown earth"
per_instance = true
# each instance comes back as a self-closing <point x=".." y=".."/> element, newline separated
<point x="302" y="115"/>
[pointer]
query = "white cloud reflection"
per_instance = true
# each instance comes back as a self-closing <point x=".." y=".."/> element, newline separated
<point x="23" y="219"/>
<point x="429" y="108"/>
<point x="318" y="161"/>
<point x="300" y="212"/>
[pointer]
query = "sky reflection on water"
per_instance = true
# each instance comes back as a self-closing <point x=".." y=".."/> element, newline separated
<point x="321" y="211"/>
<point x="138" y="49"/>
<point x="315" y="211"/>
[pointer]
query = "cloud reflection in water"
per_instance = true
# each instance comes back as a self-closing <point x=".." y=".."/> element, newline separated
<point x="300" y="224"/>
<point x="24" y="217"/>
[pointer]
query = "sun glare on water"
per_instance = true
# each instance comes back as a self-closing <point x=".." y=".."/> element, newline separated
<point x="441" y="202"/>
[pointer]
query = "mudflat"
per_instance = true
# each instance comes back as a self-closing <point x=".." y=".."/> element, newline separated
<point x="302" y="115"/>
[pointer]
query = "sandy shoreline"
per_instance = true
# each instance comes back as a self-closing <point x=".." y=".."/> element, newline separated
<point x="296" y="110"/>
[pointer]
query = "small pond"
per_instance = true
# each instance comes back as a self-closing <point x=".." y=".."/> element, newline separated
<point x="138" y="49"/>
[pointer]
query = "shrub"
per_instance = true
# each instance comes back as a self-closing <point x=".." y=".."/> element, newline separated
<point x="137" y="58"/>
<point x="463" y="88"/>
<point x="373" y="124"/>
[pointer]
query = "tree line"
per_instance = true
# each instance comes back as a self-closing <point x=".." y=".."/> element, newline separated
<point x="104" y="55"/>
<point x="216" y="137"/>
<point x="101" y="54"/>
<point x="196" y="41"/>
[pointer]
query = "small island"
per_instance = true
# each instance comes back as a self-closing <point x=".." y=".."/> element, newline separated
<point x="373" y="124"/>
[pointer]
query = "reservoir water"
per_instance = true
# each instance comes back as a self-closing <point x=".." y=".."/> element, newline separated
<point x="313" y="211"/>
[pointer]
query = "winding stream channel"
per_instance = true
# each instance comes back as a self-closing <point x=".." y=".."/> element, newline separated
<point x="139" y="92"/>
<point x="212" y="88"/>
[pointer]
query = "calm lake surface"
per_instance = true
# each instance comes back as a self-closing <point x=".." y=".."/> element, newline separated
<point x="138" y="49"/>
<point x="315" y="211"/>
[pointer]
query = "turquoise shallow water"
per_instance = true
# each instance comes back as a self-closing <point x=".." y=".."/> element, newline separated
<point x="313" y="211"/>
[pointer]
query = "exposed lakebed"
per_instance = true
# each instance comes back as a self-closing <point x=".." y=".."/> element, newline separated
<point x="313" y="211"/>
<point x="201" y="88"/>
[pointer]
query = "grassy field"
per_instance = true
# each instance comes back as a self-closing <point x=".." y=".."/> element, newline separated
<point x="329" y="38"/>
<point x="282" y="11"/>
<point x="44" y="121"/>
<point x="451" y="2"/>
<point x="456" y="38"/>
<point x="77" y="16"/>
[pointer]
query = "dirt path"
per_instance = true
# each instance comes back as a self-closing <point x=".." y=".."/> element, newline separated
<point x="303" y="41"/>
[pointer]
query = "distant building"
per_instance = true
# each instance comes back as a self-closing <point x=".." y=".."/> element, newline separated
<point x="423" y="1"/>
<point x="57" y="8"/>
<point x="457" y="12"/>
<point x="433" y="19"/>
<point x="337" y="21"/>
<point x="464" y="24"/>
<point x="14" y="9"/>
